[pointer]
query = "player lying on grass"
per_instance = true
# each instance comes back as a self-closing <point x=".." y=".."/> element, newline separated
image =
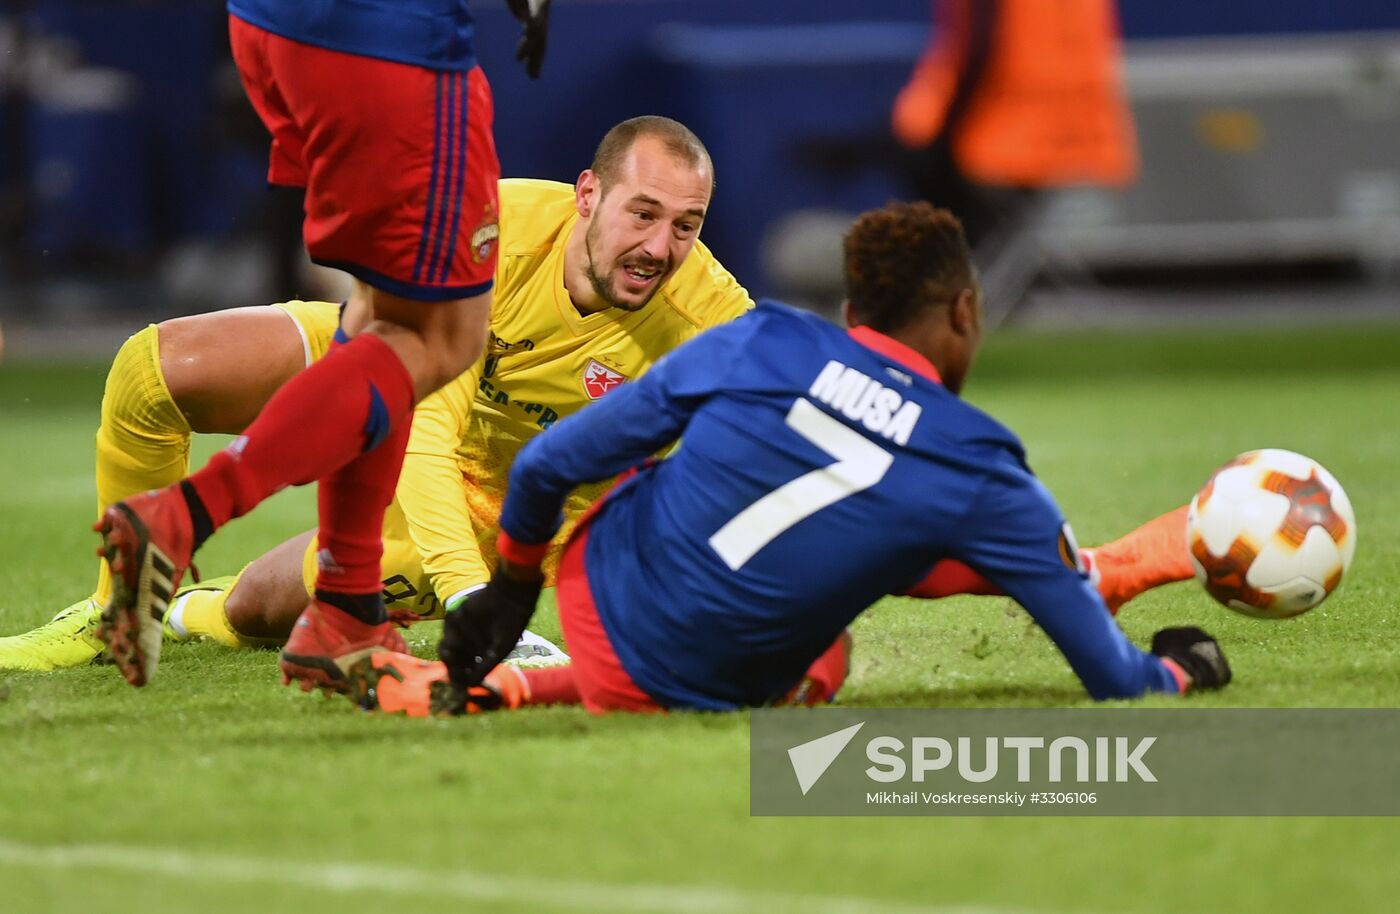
<point x="594" y="282"/>
<point x="820" y="469"/>
<point x="569" y="323"/>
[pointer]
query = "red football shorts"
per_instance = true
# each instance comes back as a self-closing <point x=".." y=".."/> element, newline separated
<point x="398" y="162"/>
<point x="602" y="682"/>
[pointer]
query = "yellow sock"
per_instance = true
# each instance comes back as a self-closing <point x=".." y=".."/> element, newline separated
<point x="144" y="440"/>
<point x="198" y="611"/>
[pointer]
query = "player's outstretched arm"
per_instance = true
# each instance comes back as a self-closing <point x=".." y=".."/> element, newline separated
<point x="1016" y="536"/>
<point x="1150" y="556"/>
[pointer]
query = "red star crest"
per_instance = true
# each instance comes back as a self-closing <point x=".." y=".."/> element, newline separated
<point x="598" y="379"/>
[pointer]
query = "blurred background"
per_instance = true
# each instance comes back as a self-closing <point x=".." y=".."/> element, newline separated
<point x="1261" y="179"/>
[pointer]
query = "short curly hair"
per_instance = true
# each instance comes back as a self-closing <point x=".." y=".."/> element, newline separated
<point x="902" y="260"/>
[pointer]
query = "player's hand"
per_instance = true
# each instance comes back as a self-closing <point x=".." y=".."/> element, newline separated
<point x="534" y="16"/>
<point x="485" y="626"/>
<point x="1195" y="652"/>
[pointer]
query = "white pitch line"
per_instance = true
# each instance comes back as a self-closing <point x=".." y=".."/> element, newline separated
<point x="376" y="878"/>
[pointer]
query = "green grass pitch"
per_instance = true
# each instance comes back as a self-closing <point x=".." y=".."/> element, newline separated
<point x="216" y="790"/>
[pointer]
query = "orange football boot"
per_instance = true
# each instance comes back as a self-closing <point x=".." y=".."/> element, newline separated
<point x="1152" y="555"/>
<point x="397" y="683"/>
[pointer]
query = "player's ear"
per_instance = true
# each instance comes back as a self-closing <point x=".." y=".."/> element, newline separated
<point x="586" y="192"/>
<point x="846" y="317"/>
<point x="965" y="314"/>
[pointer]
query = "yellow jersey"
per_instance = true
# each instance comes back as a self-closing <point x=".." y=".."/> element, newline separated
<point x="544" y="361"/>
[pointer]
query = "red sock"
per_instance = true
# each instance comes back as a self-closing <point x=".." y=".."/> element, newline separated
<point x="350" y="502"/>
<point x="318" y="421"/>
<point x="552" y="685"/>
<point x="825" y="676"/>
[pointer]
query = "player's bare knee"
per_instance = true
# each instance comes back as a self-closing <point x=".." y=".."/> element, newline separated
<point x="270" y="593"/>
<point x="252" y="606"/>
<point x="257" y="608"/>
<point x="180" y="368"/>
<point x="222" y="367"/>
<point x="240" y="611"/>
<point x="245" y="607"/>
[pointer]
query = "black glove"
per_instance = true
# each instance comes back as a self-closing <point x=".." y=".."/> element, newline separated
<point x="1195" y="652"/>
<point x="534" y="16"/>
<point x="485" y="627"/>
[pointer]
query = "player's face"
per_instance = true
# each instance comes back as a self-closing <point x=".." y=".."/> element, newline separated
<point x="644" y="223"/>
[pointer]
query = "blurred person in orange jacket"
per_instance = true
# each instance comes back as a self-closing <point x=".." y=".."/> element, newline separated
<point x="1012" y="97"/>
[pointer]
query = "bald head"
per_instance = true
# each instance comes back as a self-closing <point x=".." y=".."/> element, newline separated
<point x="673" y="136"/>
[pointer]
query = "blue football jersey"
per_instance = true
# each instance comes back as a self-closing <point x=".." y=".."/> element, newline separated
<point x="436" y="34"/>
<point x="814" y="476"/>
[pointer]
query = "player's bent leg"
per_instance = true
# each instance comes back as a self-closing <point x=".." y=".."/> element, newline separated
<point x="1150" y="556"/>
<point x="208" y="373"/>
<point x="213" y="372"/>
<point x="300" y="435"/>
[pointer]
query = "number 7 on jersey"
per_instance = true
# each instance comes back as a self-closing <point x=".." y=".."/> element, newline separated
<point x="860" y="464"/>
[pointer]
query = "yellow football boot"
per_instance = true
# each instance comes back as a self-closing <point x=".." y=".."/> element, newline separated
<point x="68" y="640"/>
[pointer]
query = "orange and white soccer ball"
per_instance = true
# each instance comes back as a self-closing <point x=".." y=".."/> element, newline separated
<point x="1271" y="534"/>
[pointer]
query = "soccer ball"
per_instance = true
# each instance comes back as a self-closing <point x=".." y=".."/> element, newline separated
<point x="1271" y="534"/>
